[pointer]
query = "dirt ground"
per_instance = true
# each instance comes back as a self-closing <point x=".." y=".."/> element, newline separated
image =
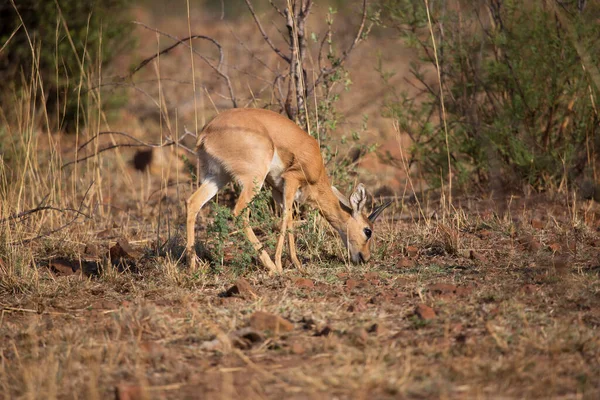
<point x="467" y="304"/>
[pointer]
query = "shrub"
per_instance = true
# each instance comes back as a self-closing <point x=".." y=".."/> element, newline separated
<point x="61" y="41"/>
<point x="520" y="90"/>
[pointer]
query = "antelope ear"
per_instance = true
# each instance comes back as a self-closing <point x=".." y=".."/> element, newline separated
<point x="358" y="199"/>
<point x="375" y="214"/>
<point x="343" y="199"/>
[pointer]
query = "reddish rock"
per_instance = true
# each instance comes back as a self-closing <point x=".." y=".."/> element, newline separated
<point x="529" y="243"/>
<point x="297" y="348"/>
<point x="264" y="321"/>
<point x="442" y="288"/>
<point x="359" y="336"/>
<point x="304" y="283"/>
<point x="241" y="288"/>
<point x="425" y="312"/>
<point x="64" y="267"/>
<point x="412" y="251"/>
<point x="484" y="234"/>
<point x="537" y="223"/>
<point x="463" y="290"/>
<point x="358" y="305"/>
<point x="404" y="262"/>
<point x="477" y="256"/>
<point x="342" y="275"/>
<point x="125" y="391"/>
<point x="530" y="289"/>
<point x="122" y="249"/>
<point x="352" y="283"/>
<point x="372" y="276"/>
<point x="554" y="247"/>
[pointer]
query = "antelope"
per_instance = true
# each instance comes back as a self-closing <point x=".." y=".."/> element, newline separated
<point x="254" y="146"/>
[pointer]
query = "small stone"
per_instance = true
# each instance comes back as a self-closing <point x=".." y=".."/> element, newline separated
<point x="264" y="321"/>
<point x="122" y="249"/>
<point x="241" y="288"/>
<point x="358" y="305"/>
<point x="125" y="391"/>
<point x="442" y="288"/>
<point x="412" y="251"/>
<point x="484" y="234"/>
<point x="342" y="275"/>
<point x="537" y="223"/>
<point x="463" y="290"/>
<point x="477" y="256"/>
<point x="359" y="336"/>
<point x="425" y="312"/>
<point x="404" y="262"/>
<point x="91" y="250"/>
<point x="297" y="348"/>
<point x="304" y="283"/>
<point x="63" y="267"/>
<point x="554" y="247"/>
<point x="351" y="284"/>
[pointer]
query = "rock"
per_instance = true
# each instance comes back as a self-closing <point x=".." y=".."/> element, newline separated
<point x="326" y="331"/>
<point x="442" y="288"/>
<point x="554" y="247"/>
<point x="297" y="348"/>
<point x="241" y="288"/>
<point x="529" y="243"/>
<point x="372" y="276"/>
<point x="351" y="284"/>
<point x="404" y="262"/>
<point x="425" y="312"/>
<point x="264" y="321"/>
<point x="122" y="249"/>
<point x="246" y="338"/>
<point x="126" y="391"/>
<point x="91" y="250"/>
<point x="530" y="289"/>
<point x="463" y="290"/>
<point x="477" y="256"/>
<point x="358" y="305"/>
<point x="359" y="336"/>
<point x="64" y="267"/>
<point x="304" y="283"/>
<point x="342" y="275"/>
<point x="537" y="223"/>
<point x="484" y="234"/>
<point x="412" y="251"/>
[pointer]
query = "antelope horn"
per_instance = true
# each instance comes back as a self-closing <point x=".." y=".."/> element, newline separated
<point x="378" y="211"/>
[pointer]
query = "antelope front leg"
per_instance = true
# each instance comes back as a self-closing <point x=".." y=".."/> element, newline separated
<point x="289" y="191"/>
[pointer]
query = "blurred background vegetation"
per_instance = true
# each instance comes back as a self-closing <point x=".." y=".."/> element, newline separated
<point x="519" y="78"/>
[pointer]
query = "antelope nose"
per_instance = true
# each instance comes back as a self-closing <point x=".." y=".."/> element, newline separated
<point x="361" y="258"/>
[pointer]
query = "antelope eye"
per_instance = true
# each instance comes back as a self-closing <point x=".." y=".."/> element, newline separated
<point x="368" y="233"/>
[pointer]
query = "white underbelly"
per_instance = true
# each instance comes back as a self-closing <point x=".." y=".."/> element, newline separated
<point x="276" y="170"/>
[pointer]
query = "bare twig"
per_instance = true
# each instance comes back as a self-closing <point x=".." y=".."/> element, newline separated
<point x="325" y="72"/>
<point x="216" y="68"/>
<point x="139" y="143"/>
<point x="78" y="213"/>
<point x="264" y="34"/>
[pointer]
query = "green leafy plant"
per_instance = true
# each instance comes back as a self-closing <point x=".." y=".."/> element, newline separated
<point x="521" y="106"/>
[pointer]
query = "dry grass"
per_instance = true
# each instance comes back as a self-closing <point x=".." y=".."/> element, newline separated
<point x="518" y="317"/>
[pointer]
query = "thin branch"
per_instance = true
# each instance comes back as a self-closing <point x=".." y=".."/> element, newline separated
<point x="78" y="212"/>
<point x="216" y="68"/>
<point x="325" y="72"/>
<point x="264" y="34"/>
<point x="139" y="143"/>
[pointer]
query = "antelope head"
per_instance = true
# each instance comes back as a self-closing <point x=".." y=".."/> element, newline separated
<point x="358" y="228"/>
